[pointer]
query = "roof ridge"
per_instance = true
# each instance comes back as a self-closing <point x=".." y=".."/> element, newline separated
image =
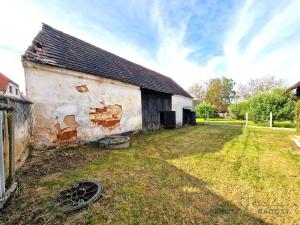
<point x="57" y="48"/>
<point x="6" y="77"/>
<point x="293" y="86"/>
<point x="158" y="73"/>
<point x="10" y="80"/>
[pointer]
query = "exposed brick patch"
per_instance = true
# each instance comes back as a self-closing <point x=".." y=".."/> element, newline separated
<point x="107" y="116"/>
<point x="82" y="88"/>
<point x="67" y="135"/>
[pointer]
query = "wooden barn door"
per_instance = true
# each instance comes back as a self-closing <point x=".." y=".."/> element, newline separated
<point x="152" y="104"/>
<point x="186" y="116"/>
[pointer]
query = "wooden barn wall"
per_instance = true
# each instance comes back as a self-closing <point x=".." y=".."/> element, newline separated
<point x="152" y="104"/>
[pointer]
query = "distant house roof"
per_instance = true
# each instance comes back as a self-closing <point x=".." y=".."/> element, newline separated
<point x="55" y="48"/>
<point x="4" y="81"/>
<point x="293" y="87"/>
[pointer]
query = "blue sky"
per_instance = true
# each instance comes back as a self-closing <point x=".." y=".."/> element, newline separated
<point x="187" y="40"/>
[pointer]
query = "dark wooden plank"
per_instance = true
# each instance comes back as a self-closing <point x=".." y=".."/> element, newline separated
<point x="152" y="104"/>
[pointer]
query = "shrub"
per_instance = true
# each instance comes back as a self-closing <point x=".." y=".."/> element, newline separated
<point x="274" y="101"/>
<point x="238" y="110"/>
<point x="205" y="110"/>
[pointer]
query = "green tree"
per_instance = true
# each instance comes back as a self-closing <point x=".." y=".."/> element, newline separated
<point x="273" y="101"/>
<point x="205" y="110"/>
<point x="220" y="92"/>
<point x="238" y="110"/>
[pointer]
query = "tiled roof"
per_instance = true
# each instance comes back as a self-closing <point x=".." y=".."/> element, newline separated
<point x="55" y="48"/>
<point x="293" y="87"/>
<point x="4" y="81"/>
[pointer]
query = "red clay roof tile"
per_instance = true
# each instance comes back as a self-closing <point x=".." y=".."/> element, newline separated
<point x="4" y="81"/>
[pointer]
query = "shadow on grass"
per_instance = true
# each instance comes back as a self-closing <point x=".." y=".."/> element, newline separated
<point x="191" y="140"/>
<point x="169" y="194"/>
<point x="172" y="196"/>
<point x="142" y="187"/>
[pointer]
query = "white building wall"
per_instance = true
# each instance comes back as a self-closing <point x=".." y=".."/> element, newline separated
<point x="178" y="103"/>
<point x="77" y="107"/>
<point x="15" y="90"/>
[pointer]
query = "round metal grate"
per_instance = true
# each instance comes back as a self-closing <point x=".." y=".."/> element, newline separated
<point x="79" y="195"/>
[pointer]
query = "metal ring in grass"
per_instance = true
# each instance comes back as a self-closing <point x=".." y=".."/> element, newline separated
<point x="79" y="195"/>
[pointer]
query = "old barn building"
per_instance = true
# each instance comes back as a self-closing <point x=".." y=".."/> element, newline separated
<point x="82" y="93"/>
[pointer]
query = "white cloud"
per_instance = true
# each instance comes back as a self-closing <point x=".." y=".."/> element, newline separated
<point x="261" y="56"/>
<point x="21" y="20"/>
<point x="16" y="34"/>
<point x="172" y="55"/>
<point x="21" y="29"/>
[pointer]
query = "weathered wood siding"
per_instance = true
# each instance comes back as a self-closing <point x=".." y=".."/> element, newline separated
<point x="152" y="104"/>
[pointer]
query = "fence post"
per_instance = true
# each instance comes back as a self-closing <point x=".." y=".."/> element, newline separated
<point x="247" y="118"/>
<point x="2" y="175"/>
<point x="271" y="120"/>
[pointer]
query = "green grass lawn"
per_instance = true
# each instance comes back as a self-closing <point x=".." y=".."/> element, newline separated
<point x="283" y="124"/>
<point x="193" y="175"/>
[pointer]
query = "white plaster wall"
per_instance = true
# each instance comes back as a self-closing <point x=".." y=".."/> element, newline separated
<point x="22" y="141"/>
<point x="53" y="92"/>
<point x="13" y="94"/>
<point x="178" y="103"/>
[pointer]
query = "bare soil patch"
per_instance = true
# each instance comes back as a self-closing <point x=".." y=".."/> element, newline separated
<point x="31" y="205"/>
